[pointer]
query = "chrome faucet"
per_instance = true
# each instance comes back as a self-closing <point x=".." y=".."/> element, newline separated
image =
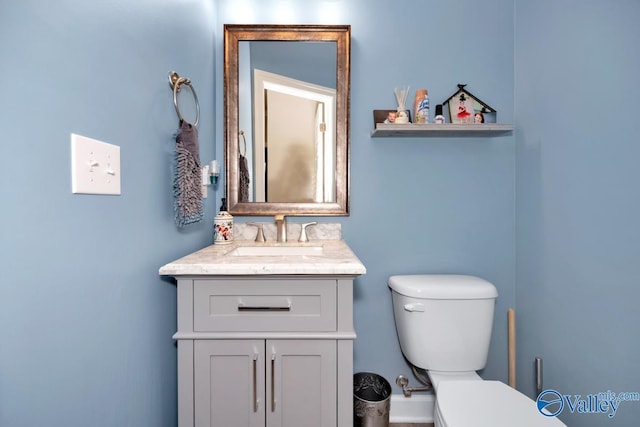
<point x="281" y="228"/>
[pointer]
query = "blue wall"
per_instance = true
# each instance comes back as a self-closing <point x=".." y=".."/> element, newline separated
<point x="417" y="205"/>
<point x="578" y="199"/>
<point x="86" y="320"/>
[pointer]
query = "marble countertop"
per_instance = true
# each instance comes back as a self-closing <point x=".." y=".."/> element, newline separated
<point x="337" y="259"/>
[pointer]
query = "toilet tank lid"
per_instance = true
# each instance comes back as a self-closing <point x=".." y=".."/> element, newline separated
<point x="442" y="286"/>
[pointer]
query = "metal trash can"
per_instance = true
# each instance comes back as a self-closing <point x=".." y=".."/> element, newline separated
<point x="371" y="400"/>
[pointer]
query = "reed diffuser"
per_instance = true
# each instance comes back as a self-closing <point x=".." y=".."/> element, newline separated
<point x="401" y="97"/>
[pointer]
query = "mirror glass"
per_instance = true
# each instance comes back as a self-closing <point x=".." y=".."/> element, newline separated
<point x="286" y="119"/>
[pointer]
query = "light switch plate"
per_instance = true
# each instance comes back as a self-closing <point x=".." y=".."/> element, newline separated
<point x="95" y="166"/>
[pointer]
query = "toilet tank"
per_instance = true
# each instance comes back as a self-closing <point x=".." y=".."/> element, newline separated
<point x="444" y="321"/>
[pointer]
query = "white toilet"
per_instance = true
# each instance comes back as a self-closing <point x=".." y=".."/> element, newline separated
<point x="444" y="327"/>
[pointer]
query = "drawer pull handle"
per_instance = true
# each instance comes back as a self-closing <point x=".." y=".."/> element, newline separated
<point x="255" y="381"/>
<point x="273" y="381"/>
<point x="263" y="308"/>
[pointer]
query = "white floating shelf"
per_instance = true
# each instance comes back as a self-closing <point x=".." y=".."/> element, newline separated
<point x="440" y="130"/>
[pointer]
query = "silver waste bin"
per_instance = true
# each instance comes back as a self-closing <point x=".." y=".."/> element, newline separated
<point x="371" y="400"/>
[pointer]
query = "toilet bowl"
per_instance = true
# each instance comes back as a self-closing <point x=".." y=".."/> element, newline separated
<point x="444" y="325"/>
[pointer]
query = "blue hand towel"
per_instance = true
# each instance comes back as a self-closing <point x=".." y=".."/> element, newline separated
<point x="187" y="185"/>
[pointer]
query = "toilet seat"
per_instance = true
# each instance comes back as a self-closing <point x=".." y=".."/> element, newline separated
<point x="487" y="403"/>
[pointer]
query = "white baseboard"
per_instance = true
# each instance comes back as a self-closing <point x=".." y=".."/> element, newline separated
<point x="415" y="409"/>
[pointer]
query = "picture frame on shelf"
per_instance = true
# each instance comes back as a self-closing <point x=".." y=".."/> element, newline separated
<point x="387" y="116"/>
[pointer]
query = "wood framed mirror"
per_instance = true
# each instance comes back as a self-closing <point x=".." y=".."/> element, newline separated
<point x="286" y="105"/>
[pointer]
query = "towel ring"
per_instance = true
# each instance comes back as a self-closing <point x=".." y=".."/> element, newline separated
<point x="244" y="141"/>
<point x="176" y="82"/>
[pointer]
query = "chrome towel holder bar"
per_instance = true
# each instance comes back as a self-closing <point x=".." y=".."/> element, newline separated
<point x="176" y="82"/>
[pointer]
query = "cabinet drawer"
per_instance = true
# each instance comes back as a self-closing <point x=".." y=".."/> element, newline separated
<point x="264" y="305"/>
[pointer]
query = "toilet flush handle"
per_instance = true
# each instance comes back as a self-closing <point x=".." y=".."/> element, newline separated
<point x="416" y="306"/>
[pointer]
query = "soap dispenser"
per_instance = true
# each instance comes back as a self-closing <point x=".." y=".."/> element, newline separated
<point x="223" y="226"/>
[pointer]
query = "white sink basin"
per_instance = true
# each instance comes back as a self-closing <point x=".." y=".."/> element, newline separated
<point x="276" y="250"/>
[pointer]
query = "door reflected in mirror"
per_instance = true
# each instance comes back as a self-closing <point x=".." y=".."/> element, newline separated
<point x="287" y="132"/>
<point x="293" y="149"/>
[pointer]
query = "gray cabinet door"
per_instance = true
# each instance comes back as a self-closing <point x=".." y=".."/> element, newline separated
<point x="301" y="383"/>
<point x="229" y="383"/>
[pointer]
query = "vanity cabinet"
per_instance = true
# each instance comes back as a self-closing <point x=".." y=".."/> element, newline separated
<point x="265" y="351"/>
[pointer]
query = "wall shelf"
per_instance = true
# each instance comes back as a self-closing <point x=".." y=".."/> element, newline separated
<point x="439" y="130"/>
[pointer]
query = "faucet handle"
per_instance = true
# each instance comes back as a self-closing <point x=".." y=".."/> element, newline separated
<point x="260" y="234"/>
<point x="303" y="231"/>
